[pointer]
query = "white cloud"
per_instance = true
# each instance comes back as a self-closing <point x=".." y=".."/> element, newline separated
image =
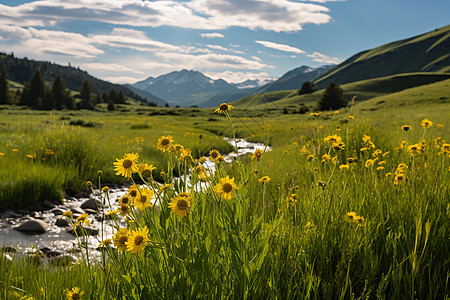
<point x="281" y="47"/>
<point x="319" y="57"/>
<point x="237" y="77"/>
<point x="217" y="47"/>
<point x="110" y="67"/>
<point x="50" y="41"/>
<point x="212" y="35"/>
<point x="279" y="16"/>
<point x="210" y="61"/>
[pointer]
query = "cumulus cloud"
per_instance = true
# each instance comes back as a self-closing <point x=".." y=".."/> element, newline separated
<point x="279" y="16"/>
<point x="217" y="47"/>
<point x="319" y="57"/>
<point x="281" y="47"/>
<point x="50" y="41"/>
<point x="212" y="35"/>
<point x="211" y="61"/>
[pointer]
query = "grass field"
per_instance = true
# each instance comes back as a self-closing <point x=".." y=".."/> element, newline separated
<point x="365" y="219"/>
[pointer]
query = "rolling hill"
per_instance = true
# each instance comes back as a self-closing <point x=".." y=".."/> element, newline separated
<point x="429" y="52"/>
<point x="364" y="90"/>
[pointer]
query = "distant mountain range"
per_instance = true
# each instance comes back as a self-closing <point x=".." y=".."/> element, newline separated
<point x="189" y="87"/>
<point x="429" y="52"/>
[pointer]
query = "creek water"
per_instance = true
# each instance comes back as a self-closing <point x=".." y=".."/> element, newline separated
<point x="58" y="239"/>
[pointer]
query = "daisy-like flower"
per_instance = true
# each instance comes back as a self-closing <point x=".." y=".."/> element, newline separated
<point x="352" y="160"/>
<point x="333" y="138"/>
<point x="426" y="123"/>
<point x="325" y="157"/>
<point x="120" y="238"/>
<point x="338" y="146"/>
<point x="376" y="153"/>
<point x="264" y="179"/>
<point x="414" y="149"/>
<point x="125" y="199"/>
<point x="105" y="243"/>
<point x="214" y="155"/>
<point x="82" y="219"/>
<point x="137" y="240"/>
<point x="359" y="220"/>
<point x="350" y="217"/>
<point x="164" y="143"/>
<point x="181" y="204"/>
<point x="202" y="160"/>
<point x="127" y="165"/>
<point x="223" y="108"/>
<point x="310" y="157"/>
<point x="67" y="214"/>
<point x="314" y="114"/>
<point x="142" y="200"/>
<point x="370" y="162"/>
<point x="133" y="192"/>
<point x="351" y="117"/>
<point x="226" y="188"/>
<point x="123" y="209"/>
<point x="400" y="178"/>
<point x="344" y="167"/>
<point x="74" y="294"/>
<point x="257" y="154"/>
<point x="146" y="170"/>
<point x="406" y="127"/>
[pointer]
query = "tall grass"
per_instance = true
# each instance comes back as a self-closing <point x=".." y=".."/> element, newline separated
<point x="291" y="237"/>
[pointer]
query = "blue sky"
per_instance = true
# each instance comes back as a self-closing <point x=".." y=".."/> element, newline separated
<point x="124" y="41"/>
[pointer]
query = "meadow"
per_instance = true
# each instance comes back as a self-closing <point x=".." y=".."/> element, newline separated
<point x="349" y="204"/>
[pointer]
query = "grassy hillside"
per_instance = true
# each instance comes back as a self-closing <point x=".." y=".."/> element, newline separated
<point x="364" y="90"/>
<point x="429" y="52"/>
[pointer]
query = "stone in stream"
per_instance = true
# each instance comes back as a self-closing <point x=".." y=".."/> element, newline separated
<point x="90" y="204"/>
<point x="32" y="226"/>
<point x="62" y="222"/>
<point x="57" y="211"/>
<point x="8" y="249"/>
<point x="48" y="204"/>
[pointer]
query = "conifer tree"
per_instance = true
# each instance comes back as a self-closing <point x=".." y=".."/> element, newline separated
<point x="87" y="98"/>
<point x="332" y="97"/>
<point x="4" y="89"/>
<point x="34" y="91"/>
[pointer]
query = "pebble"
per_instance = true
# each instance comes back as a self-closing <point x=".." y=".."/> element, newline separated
<point x="32" y="226"/>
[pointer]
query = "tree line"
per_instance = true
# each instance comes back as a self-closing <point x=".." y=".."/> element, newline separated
<point x="38" y="95"/>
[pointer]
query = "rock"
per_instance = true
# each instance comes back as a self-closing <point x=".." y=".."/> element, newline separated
<point x="62" y="222"/>
<point x="90" y="204"/>
<point x="32" y="226"/>
<point x="48" y="204"/>
<point x="12" y="214"/>
<point x="77" y="211"/>
<point x="90" y="211"/>
<point x="57" y="211"/>
<point x="9" y="249"/>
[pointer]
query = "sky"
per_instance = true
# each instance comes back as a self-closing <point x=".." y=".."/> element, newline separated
<point x="124" y="41"/>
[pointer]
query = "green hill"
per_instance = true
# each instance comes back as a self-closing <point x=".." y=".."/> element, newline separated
<point x="364" y="90"/>
<point x="429" y="52"/>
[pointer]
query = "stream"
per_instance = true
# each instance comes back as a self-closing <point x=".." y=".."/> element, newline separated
<point x="57" y="241"/>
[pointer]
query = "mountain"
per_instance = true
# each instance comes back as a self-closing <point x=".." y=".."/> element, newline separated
<point x="189" y="87"/>
<point x="185" y="87"/>
<point x="429" y="52"/>
<point x="20" y="70"/>
<point x="294" y="78"/>
<point x="149" y="97"/>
